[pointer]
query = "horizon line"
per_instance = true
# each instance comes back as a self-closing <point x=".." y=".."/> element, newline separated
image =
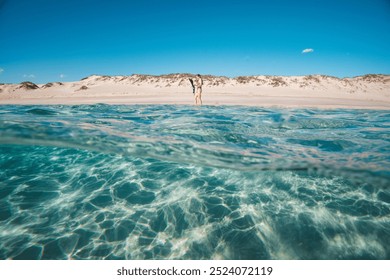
<point x="205" y="75"/>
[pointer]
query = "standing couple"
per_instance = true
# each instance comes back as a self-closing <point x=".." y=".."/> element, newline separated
<point x="197" y="89"/>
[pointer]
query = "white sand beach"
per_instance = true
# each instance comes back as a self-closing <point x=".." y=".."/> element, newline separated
<point x="317" y="91"/>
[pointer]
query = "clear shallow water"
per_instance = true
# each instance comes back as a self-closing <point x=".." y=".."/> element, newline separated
<point x="180" y="182"/>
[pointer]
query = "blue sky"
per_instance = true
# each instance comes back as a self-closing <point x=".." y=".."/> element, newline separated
<point x="47" y="40"/>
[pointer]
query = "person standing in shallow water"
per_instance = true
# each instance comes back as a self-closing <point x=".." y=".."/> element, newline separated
<point x="198" y="89"/>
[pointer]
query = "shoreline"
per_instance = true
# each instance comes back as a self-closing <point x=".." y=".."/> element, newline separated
<point x="265" y="102"/>
<point x="322" y="92"/>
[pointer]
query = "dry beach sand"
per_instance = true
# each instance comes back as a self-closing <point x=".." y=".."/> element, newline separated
<point x="317" y="91"/>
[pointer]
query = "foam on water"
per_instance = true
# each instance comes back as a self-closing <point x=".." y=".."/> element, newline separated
<point x="179" y="182"/>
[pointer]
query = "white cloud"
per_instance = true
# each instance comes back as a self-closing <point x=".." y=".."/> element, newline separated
<point x="29" y="76"/>
<point x="1" y="70"/>
<point x="307" y="51"/>
<point x="62" y="76"/>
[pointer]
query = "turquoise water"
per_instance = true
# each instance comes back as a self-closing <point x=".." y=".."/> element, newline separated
<point x="183" y="182"/>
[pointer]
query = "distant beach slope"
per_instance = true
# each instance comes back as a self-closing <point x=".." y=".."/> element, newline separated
<point x="369" y="91"/>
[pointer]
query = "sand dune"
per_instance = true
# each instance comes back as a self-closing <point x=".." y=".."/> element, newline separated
<point x="369" y="91"/>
